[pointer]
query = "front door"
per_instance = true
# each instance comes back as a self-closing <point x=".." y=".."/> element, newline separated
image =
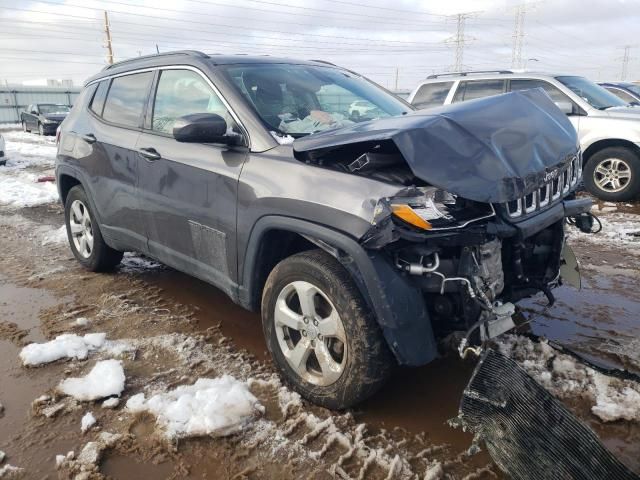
<point x="187" y="191"/>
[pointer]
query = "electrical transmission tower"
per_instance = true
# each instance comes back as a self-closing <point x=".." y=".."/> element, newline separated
<point x="107" y="32"/>
<point x="625" y="62"/>
<point x="460" y="40"/>
<point x="518" y="34"/>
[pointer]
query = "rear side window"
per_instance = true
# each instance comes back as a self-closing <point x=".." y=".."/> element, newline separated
<point x="97" y="104"/>
<point x="126" y="99"/>
<point x="555" y="94"/>
<point x="431" y="94"/>
<point x="472" y="89"/>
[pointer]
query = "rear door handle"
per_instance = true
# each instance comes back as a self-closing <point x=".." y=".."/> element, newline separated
<point x="89" y="138"/>
<point x="150" y="153"/>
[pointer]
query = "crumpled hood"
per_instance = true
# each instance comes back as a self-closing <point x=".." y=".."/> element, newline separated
<point x="494" y="149"/>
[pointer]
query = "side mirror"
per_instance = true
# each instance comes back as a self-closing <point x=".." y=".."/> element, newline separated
<point x="201" y="128"/>
<point x="565" y="107"/>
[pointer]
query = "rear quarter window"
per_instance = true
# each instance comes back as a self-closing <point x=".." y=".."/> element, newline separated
<point x="431" y="94"/>
<point x="99" y="97"/>
<point x="126" y="99"/>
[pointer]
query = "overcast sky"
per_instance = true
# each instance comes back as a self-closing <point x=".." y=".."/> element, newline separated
<point x="65" y="39"/>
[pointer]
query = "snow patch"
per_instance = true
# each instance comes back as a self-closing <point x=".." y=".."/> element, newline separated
<point x="111" y="402"/>
<point x="134" y="262"/>
<point x="55" y="237"/>
<point x="104" y="380"/>
<point x="10" y="472"/>
<point x="68" y="345"/>
<point x="88" y="421"/>
<point x="565" y="377"/>
<point x="218" y="407"/>
<point x="21" y="189"/>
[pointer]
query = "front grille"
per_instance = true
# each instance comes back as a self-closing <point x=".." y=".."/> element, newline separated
<point x="550" y="193"/>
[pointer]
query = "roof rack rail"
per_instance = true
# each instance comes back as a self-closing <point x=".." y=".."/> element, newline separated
<point x="191" y="53"/>
<point x="471" y="72"/>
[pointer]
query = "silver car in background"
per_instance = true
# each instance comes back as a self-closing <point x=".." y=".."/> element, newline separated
<point x="608" y="128"/>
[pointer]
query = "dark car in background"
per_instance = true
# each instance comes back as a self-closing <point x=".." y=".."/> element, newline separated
<point x="626" y="91"/>
<point x="44" y="117"/>
<point x="359" y="237"/>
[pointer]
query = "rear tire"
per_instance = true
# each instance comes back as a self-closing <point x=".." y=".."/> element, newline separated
<point x="83" y="233"/>
<point x="613" y="174"/>
<point x="346" y="357"/>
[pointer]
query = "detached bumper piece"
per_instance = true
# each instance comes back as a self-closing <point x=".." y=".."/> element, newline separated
<point x="528" y="433"/>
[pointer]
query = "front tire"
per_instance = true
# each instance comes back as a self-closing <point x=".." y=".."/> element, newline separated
<point x="41" y="129"/>
<point x="25" y="128"/>
<point x="83" y="233"/>
<point x="323" y="338"/>
<point x="613" y="174"/>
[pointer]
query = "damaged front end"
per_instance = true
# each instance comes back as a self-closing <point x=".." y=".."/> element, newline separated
<point x="478" y="220"/>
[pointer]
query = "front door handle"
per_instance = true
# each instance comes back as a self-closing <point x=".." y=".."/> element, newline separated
<point x="89" y="138"/>
<point x="150" y="153"/>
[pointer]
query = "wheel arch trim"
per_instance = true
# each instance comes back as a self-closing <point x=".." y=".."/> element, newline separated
<point x="398" y="306"/>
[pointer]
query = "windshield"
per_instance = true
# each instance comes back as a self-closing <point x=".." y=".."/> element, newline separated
<point x="298" y="100"/>
<point x="595" y="95"/>
<point x="51" y="109"/>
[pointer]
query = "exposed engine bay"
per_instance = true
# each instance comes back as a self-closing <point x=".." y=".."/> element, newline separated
<point x="478" y="220"/>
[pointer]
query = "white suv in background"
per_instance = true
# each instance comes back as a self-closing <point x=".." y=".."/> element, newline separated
<point x="608" y="128"/>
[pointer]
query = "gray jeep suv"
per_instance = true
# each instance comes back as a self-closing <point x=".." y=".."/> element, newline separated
<point x="360" y="238"/>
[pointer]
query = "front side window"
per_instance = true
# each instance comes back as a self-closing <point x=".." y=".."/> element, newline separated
<point x="472" y="89"/>
<point x="593" y="94"/>
<point x="553" y="92"/>
<point x="126" y="99"/>
<point x="431" y="94"/>
<point x="621" y="94"/>
<point x="184" y="92"/>
<point x="299" y="100"/>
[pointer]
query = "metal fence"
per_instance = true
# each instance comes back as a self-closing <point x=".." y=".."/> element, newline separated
<point x="16" y="98"/>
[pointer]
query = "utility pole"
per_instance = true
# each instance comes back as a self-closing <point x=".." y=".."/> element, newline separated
<point x="460" y="40"/>
<point x="625" y="62"/>
<point x="107" y="31"/>
<point x="396" y="89"/>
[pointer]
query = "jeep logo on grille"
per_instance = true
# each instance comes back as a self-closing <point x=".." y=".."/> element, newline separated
<point x="551" y="175"/>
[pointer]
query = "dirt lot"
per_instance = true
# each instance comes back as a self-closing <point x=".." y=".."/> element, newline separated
<point x="176" y="329"/>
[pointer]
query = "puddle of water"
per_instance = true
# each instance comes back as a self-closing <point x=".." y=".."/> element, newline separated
<point x="21" y="305"/>
<point x="125" y="468"/>
<point x="597" y="320"/>
<point x="213" y="307"/>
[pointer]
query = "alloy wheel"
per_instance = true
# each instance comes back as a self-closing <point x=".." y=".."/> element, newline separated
<point x="310" y="333"/>
<point x="81" y="228"/>
<point x="612" y="175"/>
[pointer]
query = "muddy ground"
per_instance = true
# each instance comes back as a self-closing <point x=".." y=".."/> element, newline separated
<point x="181" y="329"/>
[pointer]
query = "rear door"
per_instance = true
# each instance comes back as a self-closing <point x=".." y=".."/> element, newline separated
<point x="187" y="191"/>
<point x="110" y="135"/>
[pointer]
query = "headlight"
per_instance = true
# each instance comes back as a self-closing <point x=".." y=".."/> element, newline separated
<point x="48" y="121"/>
<point x="436" y="209"/>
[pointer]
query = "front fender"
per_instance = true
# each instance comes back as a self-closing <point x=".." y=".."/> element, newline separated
<point x="399" y="307"/>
